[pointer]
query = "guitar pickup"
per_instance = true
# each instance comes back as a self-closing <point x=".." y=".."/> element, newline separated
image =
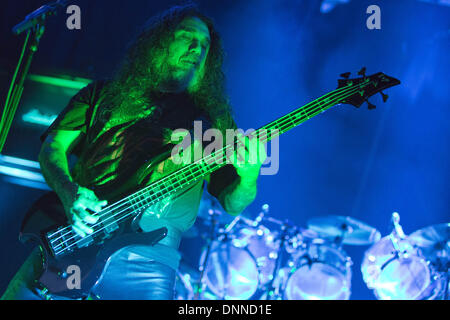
<point x="84" y="242"/>
<point x="110" y="225"/>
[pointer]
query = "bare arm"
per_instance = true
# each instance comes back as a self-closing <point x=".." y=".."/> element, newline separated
<point x="237" y="196"/>
<point x="53" y="159"/>
<point x="54" y="162"/>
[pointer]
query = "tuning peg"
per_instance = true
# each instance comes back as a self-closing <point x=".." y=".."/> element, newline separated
<point x="362" y="72"/>
<point x="370" y="105"/>
<point x="345" y="75"/>
<point x="385" y="96"/>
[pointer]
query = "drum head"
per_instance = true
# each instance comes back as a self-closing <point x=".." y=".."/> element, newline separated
<point x="231" y="272"/>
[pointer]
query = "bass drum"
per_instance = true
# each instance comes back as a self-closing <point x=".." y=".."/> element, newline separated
<point x="319" y="271"/>
<point x="399" y="276"/>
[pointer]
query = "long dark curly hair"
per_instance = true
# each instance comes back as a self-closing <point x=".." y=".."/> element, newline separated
<point x="137" y="78"/>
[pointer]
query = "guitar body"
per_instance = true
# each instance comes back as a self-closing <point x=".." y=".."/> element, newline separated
<point x="48" y="214"/>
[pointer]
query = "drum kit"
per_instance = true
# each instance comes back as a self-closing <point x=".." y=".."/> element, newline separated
<point x="269" y="259"/>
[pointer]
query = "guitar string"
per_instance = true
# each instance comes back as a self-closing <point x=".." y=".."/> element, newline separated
<point x="306" y="110"/>
<point x="116" y="205"/>
<point x="300" y="110"/>
<point x="124" y="201"/>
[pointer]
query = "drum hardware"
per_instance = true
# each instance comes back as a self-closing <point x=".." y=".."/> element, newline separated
<point x="230" y="227"/>
<point x="199" y="287"/>
<point x="186" y="278"/>
<point x="396" y="236"/>
<point x="262" y="214"/>
<point x="320" y="270"/>
<point x="397" y="228"/>
<point x="274" y="289"/>
<point x="446" y="287"/>
<point x="183" y="287"/>
<point x="274" y="293"/>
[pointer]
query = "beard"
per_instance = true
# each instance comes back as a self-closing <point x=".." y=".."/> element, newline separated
<point x="174" y="79"/>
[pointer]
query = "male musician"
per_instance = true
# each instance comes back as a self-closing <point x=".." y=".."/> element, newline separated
<point x="171" y="76"/>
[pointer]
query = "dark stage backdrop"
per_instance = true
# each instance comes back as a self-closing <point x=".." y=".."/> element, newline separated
<point x="280" y="55"/>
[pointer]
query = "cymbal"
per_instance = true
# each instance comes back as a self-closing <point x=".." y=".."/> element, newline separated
<point x="434" y="241"/>
<point x="308" y="233"/>
<point x="431" y="235"/>
<point x="352" y="231"/>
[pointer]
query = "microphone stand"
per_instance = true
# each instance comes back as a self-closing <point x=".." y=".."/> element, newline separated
<point x="34" y="26"/>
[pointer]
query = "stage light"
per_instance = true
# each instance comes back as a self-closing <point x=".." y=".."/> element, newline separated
<point x="328" y="5"/>
<point x="73" y="83"/>
<point x="20" y="173"/>
<point x="27" y="183"/>
<point x="19" y="161"/>
<point x="441" y="2"/>
<point x="36" y="117"/>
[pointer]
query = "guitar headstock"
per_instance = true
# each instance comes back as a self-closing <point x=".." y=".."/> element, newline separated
<point x="366" y="86"/>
